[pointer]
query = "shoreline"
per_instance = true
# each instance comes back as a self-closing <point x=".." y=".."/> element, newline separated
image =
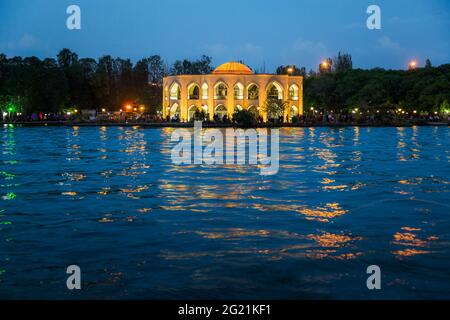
<point x="217" y="125"/>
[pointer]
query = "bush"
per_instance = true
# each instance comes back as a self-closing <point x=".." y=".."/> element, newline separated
<point x="244" y="118"/>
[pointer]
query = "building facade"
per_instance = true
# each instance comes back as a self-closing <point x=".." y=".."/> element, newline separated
<point x="230" y="87"/>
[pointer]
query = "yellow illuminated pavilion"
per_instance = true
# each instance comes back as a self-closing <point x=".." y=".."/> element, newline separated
<point x="231" y="86"/>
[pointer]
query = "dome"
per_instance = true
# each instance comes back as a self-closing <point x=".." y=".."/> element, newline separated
<point x="233" y="68"/>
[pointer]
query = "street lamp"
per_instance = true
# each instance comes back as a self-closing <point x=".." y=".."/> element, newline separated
<point x="290" y="70"/>
<point x="413" y="65"/>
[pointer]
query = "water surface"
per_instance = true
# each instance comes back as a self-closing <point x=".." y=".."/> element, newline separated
<point x="111" y="201"/>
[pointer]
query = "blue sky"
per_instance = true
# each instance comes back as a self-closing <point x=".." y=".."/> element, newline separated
<point x="259" y="32"/>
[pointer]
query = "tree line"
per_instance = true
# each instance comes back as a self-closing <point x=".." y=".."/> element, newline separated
<point x="338" y="87"/>
<point x="53" y="85"/>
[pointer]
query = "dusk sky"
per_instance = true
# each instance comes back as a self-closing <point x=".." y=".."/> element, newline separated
<point x="269" y="33"/>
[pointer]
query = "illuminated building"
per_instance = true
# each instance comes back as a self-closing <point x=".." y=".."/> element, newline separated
<point x="230" y="87"/>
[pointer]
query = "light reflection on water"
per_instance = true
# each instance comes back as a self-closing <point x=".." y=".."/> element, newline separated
<point x="110" y="200"/>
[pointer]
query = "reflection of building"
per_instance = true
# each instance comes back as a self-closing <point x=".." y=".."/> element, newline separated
<point x="232" y="86"/>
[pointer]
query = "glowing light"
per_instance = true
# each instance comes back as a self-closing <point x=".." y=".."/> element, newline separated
<point x="415" y="111"/>
<point x="103" y="110"/>
<point x="75" y="110"/>
<point x="128" y="107"/>
<point x="142" y="108"/>
<point x="413" y="64"/>
<point x="290" y="70"/>
<point x="325" y="64"/>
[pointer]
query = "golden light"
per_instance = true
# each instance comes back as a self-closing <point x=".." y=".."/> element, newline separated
<point x="413" y="64"/>
<point x="312" y="108"/>
<point x="120" y="110"/>
<point x="290" y="70"/>
<point x="135" y="109"/>
<point x="415" y="111"/>
<point x="75" y="110"/>
<point x="128" y="107"/>
<point x="142" y="108"/>
<point x="103" y="110"/>
<point x="325" y="64"/>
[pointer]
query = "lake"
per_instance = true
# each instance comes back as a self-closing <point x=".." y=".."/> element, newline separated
<point x="109" y="200"/>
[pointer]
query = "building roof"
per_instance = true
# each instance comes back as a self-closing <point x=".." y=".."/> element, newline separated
<point x="233" y="68"/>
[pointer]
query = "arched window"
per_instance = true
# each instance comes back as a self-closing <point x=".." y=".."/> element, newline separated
<point x="191" y="113"/>
<point x="220" y="111"/>
<point x="293" y="92"/>
<point x="253" y="92"/>
<point x="294" y="111"/>
<point x="275" y="91"/>
<point x="194" y="92"/>
<point x="175" y="92"/>
<point x="175" y="111"/>
<point x="204" y="91"/>
<point x="220" y="91"/>
<point x="239" y="91"/>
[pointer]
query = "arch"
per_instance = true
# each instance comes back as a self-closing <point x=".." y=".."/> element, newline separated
<point x="275" y="91"/>
<point x="205" y="89"/>
<point x="220" y="91"/>
<point x="294" y="111"/>
<point x="174" y="111"/>
<point x="191" y="112"/>
<point x="252" y="91"/>
<point x="193" y="91"/>
<point x="239" y="91"/>
<point x="220" y="111"/>
<point x="175" y="91"/>
<point x="293" y="92"/>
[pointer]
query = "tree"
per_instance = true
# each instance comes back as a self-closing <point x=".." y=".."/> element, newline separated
<point x="428" y="64"/>
<point x="275" y="108"/>
<point x="343" y="62"/>
<point x="67" y="58"/>
<point x="156" y="69"/>
<point x="291" y="70"/>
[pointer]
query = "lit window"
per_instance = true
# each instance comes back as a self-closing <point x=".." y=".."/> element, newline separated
<point x="194" y="92"/>
<point x="253" y="92"/>
<point x="175" y="92"/>
<point x="293" y="92"/>
<point x="221" y="92"/>
<point x="204" y="91"/>
<point x="239" y="91"/>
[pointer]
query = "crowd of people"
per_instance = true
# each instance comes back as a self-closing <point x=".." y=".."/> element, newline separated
<point x="316" y="118"/>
